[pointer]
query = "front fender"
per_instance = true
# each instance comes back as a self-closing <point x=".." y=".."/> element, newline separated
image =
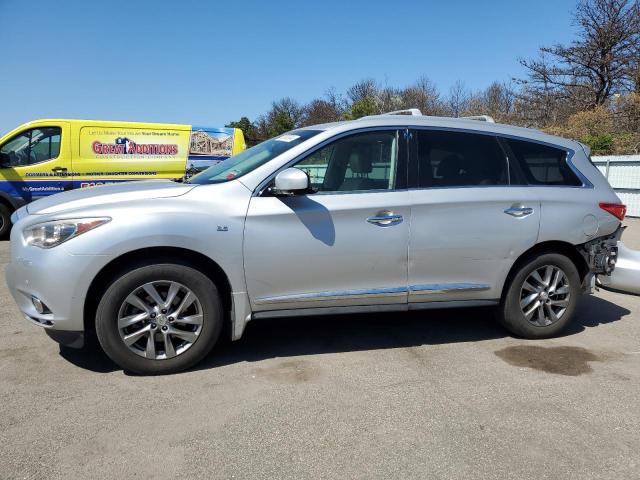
<point x="208" y="220"/>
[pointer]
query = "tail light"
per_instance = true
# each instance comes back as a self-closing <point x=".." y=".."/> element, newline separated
<point x="618" y="210"/>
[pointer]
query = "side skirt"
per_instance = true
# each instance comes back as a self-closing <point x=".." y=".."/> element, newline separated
<point x="403" y="307"/>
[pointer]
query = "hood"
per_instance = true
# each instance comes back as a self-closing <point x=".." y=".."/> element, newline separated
<point x="106" y="194"/>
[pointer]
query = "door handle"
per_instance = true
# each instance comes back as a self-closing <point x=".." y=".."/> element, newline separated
<point x="59" y="170"/>
<point x="519" y="211"/>
<point x="385" y="219"/>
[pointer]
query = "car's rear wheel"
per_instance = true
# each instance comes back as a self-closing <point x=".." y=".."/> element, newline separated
<point x="159" y="319"/>
<point x="541" y="297"/>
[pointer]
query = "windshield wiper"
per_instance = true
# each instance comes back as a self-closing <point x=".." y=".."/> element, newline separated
<point x="190" y="172"/>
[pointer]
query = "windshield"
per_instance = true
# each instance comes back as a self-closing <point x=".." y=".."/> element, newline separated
<point x="250" y="159"/>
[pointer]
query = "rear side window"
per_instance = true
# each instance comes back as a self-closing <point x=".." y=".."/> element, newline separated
<point x="458" y="159"/>
<point x="537" y="164"/>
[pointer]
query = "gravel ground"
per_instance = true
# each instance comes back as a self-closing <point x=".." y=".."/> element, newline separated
<point x="436" y="394"/>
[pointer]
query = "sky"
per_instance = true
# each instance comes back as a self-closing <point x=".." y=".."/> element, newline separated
<point x="211" y="62"/>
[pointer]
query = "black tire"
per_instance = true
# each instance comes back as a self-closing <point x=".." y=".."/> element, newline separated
<point x="511" y="315"/>
<point x="5" y="221"/>
<point x="110" y="304"/>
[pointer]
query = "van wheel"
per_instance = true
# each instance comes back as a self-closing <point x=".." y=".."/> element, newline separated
<point x="5" y="221"/>
<point x="541" y="297"/>
<point x="159" y="319"/>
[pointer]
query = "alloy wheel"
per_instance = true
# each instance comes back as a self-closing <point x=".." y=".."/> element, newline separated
<point x="160" y="320"/>
<point x="545" y="295"/>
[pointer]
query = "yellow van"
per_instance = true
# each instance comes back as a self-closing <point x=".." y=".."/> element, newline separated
<point x="44" y="157"/>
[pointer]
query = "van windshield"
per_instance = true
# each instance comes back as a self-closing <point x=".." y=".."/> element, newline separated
<point x="250" y="159"/>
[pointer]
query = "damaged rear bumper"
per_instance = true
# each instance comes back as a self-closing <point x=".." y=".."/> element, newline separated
<point x="625" y="278"/>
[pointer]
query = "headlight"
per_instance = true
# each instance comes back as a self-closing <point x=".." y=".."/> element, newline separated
<point x="51" y="234"/>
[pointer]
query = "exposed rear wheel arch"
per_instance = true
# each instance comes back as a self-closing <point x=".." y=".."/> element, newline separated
<point x="563" y="248"/>
<point x="150" y="256"/>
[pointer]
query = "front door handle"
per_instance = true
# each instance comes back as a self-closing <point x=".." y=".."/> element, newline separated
<point x="519" y="211"/>
<point x="59" y="170"/>
<point x="385" y="219"/>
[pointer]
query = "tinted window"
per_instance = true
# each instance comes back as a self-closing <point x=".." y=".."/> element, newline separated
<point x="456" y="159"/>
<point x="33" y="146"/>
<point x="365" y="161"/>
<point x="537" y="164"/>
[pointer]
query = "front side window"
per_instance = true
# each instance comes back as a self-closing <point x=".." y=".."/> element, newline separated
<point x="459" y="159"/>
<point x="359" y="162"/>
<point x="537" y="164"/>
<point x="30" y="147"/>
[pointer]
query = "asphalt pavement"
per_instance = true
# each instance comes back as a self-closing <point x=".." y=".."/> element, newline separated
<point x="424" y="395"/>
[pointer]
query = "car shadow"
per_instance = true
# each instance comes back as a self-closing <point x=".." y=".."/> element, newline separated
<point x="314" y="216"/>
<point x="297" y="336"/>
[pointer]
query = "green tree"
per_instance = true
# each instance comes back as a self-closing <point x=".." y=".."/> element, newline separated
<point x="281" y="122"/>
<point x="249" y="130"/>
<point x="361" y="108"/>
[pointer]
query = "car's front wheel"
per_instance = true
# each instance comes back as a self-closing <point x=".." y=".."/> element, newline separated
<point x="541" y="297"/>
<point x="5" y="221"/>
<point x="159" y="319"/>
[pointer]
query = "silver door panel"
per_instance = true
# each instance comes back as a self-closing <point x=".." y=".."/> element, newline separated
<point x="463" y="241"/>
<point x="321" y="251"/>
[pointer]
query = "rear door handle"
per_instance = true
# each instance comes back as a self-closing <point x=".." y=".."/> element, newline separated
<point x="385" y="219"/>
<point x="519" y="211"/>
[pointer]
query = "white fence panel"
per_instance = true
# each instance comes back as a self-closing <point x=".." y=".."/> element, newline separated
<point x="623" y="174"/>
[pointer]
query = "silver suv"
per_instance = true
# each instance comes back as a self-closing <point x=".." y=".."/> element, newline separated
<point x="385" y="213"/>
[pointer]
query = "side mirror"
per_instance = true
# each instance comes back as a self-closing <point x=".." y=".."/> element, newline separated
<point x="291" y="181"/>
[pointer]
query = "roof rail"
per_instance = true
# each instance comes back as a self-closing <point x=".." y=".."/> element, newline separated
<point x="414" y="112"/>
<point x="481" y="118"/>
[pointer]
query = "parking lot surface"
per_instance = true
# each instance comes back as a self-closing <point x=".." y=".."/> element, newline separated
<point x="435" y="394"/>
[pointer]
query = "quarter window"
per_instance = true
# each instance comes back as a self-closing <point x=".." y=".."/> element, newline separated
<point x="458" y="159"/>
<point x="33" y="146"/>
<point x="364" y="161"/>
<point x="537" y="164"/>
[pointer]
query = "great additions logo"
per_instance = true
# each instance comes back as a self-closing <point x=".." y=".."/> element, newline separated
<point x="124" y="146"/>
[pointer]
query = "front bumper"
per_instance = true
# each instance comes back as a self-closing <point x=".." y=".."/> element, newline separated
<point x="59" y="279"/>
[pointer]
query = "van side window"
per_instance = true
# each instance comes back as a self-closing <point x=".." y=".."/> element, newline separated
<point x="537" y="164"/>
<point x="458" y="159"/>
<point x="33" y="146"/>
<point x="364" y="161"/>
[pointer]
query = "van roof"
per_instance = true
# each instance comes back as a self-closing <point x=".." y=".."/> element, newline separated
<point x="115" y="123"/>
<point x="106" y="122"/>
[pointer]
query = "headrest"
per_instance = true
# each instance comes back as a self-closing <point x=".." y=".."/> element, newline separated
<point x="449" y="167"/>
<point x="360" y="163"/>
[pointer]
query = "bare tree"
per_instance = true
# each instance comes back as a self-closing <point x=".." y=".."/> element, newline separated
<point x="458" y="101"/>
<point x="390" y="99"/>
<point x="290" y="107"/>
<point x="497" y="100"/>
<point x="320" y="111"/>
<point x="424" y="95"/>
<point x="362" y="90"/>
<point x="595" y="65"/>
